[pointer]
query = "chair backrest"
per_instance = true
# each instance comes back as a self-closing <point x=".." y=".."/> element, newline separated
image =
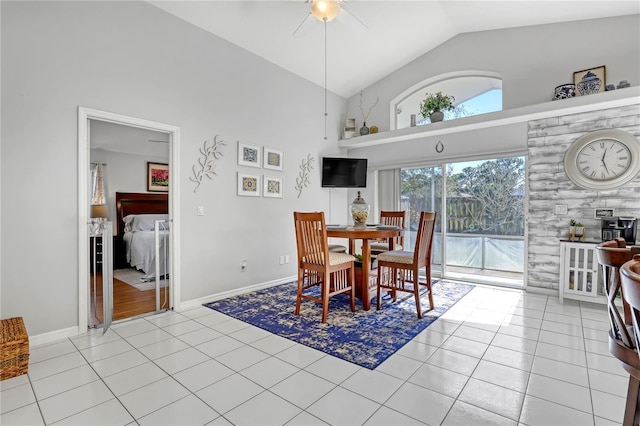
<point x="611" y="256"/>
<point x="424" y="239"/>
<point x="311" y="237"/>
<point x="394" y="218"/>
<point x="630" y="277"/>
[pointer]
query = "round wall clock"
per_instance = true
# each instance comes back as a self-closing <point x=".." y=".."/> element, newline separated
<point x="603" y="159"/>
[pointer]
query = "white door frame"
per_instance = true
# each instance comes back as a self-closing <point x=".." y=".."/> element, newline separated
<point x="84" y="157"/>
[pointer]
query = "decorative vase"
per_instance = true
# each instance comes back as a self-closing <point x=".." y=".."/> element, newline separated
<point x="565" y="91"/>
<point x="436" y="115"/>
<point x="373" y="129"/>
<point x="364" y="130"/>
<point x="359" y="211"/>
<point x="623" y="84"/>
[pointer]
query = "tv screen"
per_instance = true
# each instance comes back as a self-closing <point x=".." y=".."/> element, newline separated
<point x="344" y="172"/>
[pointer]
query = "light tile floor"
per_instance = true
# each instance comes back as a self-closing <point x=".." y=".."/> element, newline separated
<point x="498" y="356"/>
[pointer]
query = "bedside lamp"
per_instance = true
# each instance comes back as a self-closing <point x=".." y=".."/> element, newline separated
<point x="99" y="211"/>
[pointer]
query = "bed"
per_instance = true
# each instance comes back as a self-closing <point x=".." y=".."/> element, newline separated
<point x="136" y="214"/>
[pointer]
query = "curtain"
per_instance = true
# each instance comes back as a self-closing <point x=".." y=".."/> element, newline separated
<point x="389" y="189"/>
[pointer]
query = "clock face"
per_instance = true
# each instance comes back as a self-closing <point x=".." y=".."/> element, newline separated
<point x="603" y="159"/>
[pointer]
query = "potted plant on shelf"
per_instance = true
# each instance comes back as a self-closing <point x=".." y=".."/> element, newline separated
<point x="434" y="105"/>
<point x="576" y="231"/>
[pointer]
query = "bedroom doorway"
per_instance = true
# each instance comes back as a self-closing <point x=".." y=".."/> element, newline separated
<point x="129" y="150"/>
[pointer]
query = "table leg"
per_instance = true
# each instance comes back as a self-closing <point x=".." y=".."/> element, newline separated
<point x="366" y="266"/>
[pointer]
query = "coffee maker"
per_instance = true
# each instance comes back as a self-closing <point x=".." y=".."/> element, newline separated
<point x="616" y="227"/>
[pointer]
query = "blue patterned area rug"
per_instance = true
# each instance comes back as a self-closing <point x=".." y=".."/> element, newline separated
<point x="366" y="338"/>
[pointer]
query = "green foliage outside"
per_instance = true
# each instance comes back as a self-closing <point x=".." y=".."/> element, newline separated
<point x="485" y="199"/>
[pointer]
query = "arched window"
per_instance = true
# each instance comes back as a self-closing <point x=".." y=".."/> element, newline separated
<point x="475" y="93"/>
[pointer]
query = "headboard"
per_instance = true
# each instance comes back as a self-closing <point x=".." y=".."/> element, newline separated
<point x="138" y="203"/>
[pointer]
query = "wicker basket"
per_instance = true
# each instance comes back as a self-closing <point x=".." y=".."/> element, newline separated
<point x="14" y="348"/>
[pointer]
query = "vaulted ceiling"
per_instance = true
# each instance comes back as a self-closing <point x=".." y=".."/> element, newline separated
<point x="394" y="32"/>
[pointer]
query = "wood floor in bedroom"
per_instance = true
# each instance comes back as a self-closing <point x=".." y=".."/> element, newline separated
<point x="128" y="301"/>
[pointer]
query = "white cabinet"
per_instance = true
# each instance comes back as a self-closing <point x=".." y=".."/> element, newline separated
<point x="580" y="273"/>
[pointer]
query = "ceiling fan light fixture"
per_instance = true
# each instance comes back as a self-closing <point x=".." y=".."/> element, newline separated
<point x="325" y="10"/>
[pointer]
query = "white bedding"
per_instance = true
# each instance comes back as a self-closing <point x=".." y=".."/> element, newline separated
<point x="141" y="252"/>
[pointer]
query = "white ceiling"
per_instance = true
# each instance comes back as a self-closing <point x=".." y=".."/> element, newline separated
<point x="106" y="136"/>
<point x="397" y="31"/>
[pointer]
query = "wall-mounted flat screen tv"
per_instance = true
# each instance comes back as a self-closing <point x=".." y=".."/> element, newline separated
<point x="344" y="172"/>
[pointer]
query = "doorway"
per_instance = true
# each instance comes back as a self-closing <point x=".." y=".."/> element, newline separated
<point x="95" y="127"/>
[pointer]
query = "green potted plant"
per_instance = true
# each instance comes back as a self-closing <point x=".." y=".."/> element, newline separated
<point x="434" y="105"/>
<point x="576" y="231"/>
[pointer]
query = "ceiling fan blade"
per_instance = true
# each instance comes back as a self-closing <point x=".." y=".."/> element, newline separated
<point x="304" y="26"/>
<point x="353" y="23"/>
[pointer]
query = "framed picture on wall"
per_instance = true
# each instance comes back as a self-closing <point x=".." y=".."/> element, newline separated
<point x="157" y="177"/>
<point x="272" y="187"/>
<point x="248" y="185"/>
<point x="249" y="155"/>
<point x="273" y="159"/>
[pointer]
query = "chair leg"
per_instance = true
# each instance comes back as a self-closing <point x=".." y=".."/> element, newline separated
<point x="428" y="272"/>
<point x="325" y="297"/>
<point x="378" y="292"/>
<point x="352" y="293"/>
<point x="299" y="293"/>
<point x="631" y="408"/>
<point x="416" y="293"/>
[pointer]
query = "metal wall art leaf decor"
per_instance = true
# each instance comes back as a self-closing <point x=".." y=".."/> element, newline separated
<point x="303" y="181"/>
<point x="206" y="166"/>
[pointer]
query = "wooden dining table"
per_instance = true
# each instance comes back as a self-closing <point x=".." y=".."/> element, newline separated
<point x="364" y="288"/>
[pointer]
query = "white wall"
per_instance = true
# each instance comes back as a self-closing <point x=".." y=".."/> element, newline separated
<point x="133" y="59"/>
<point x="531" y="60"/>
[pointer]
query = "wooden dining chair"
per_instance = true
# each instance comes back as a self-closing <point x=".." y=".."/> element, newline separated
<point x="332" y="272"/>
<point x="630" y="282"/>
<point x="402" y="267"/>
<point x="390" y="218"/>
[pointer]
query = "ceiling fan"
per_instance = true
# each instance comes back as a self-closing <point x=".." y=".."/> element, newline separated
<point x="326" y="11"/>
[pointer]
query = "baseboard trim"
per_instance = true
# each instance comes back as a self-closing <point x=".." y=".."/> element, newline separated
<point x="54" y="336"/>
<point x="191" y="304"/>
<point x="65" y="333"/>
<point x="544" y="291"/>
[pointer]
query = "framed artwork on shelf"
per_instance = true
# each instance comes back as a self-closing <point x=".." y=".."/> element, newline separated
<point x="249" y="155"/>
<point x="248" y="185"/>
<point x="603" y="213"/>
<point x="157" y="177"/>
<point x="590" y="81"/>
<point x="272" y="187"/>
<point x="273" y="160"/>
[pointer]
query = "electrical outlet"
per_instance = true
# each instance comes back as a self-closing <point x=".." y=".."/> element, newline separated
<point x="286" y="258"/>
<point x="282" y="260"/>
<point x="200" y="210"/>
<point x="561" y="209"/>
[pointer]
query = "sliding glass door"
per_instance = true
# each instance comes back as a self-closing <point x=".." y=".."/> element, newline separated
<point x="480" y="235"/>
<point x="421" y="190"/>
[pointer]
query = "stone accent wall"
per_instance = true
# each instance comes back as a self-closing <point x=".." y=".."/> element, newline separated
<point x="548" y="140"/>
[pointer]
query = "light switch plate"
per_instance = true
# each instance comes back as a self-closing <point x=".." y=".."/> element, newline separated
<point x="561" y="209"/>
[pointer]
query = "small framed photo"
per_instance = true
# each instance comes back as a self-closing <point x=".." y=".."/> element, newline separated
<point x="590" y="81"/>
<point x="273" y="160"/>
<point x="157" y="177"/>
<point x="350" y="124"/>
<point x="248" y="185"/>
<point x="603" y="213"/>
<point x="249" y="155"/>
<point x="272" y="187"/>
